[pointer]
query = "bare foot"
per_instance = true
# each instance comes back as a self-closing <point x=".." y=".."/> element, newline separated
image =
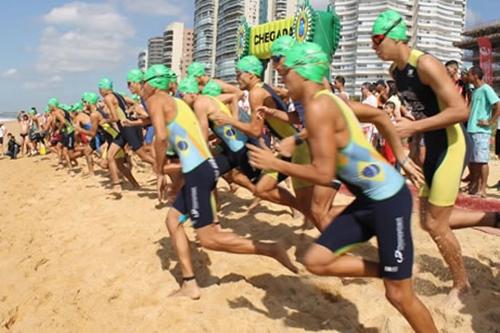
<point x="455" y="299"/>
<point x="233" y="188"/>
<point x="297" y="215"/>
<point x="188" y="289"/>
<point x="307" y="224"/>
<point x="279" y="253"/>
<point x="254" y="204"/>
<point x="117" y="191"/>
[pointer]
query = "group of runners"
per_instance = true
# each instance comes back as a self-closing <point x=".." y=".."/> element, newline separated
<point x="193" y="133"/>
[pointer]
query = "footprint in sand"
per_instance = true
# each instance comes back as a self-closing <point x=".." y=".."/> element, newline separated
<point x="40" y="263"/>
<point x="11" y="318"/>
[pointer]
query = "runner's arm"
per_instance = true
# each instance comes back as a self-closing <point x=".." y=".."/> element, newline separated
<point x="201" y="107"/>
<point x="229" y="88"/>
<point x="160" y="143"/>
<point x="256" y="125"/>
<point x="322" y="144"/>
<point x="108" y="101"/>
<point x="61" y="120"/>
<point x="369" y="114"/>
<point x="94" y="121"/>
<point x="434" y="74"/>
<point x="231" y="100"/>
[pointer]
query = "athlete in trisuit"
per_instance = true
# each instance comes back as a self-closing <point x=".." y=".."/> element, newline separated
<point x="232" y="142"/>
<point x="197" y="70"/>
<point x="424" y="84"/>
<point x="101" y="131"/>
<point x="81" y="119"/>
<point x="323" y="196"/>
<point x="131" y="136"/>
<point x="63" y="123"/>
<point x="176" y="124"/>
<point x="383" y="203"/>
<point x="249" y="71"/>
<point x="172" y="167"/>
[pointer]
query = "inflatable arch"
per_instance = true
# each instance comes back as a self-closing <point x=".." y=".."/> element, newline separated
<point x="308" y="24"/>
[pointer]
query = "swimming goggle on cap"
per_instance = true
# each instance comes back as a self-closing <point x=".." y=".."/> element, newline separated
<point x="212" y="88"/>
<point x="389" y="24"/>
<point x="308" y="60"/>
<point x="157" y="77"/>
<point x="196" y="69"/>
<point x="282" y="45"/>
<point x="135" y="76"/>
<point x="105" y="84"/>
<point x="250" y="64"/>
<point x="172" y="76"/>
<point x="189" y="85"/>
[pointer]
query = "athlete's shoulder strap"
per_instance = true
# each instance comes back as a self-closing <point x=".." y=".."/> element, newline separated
<point x="144" y="105"/>
<point x="415" y="57"/>
<point x="121" y="101"/>
<point x="103" y="114"/>
<point x="280" y="104"/>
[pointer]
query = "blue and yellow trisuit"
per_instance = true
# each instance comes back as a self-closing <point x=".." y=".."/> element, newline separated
<point x="234" y="151"/>
<point x="382" y="207"/>
<point x="281" y="130"/>
<point x="198" y="166"/>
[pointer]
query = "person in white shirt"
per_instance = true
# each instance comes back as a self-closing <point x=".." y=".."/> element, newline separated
<point x="2" y="134"/>
<point x="369" y="98"/>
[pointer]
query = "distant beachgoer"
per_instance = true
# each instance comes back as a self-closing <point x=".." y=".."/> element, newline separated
<point x="2" y="133"/>
<point x="12" y="147"/>
<point x="24" y="123"/>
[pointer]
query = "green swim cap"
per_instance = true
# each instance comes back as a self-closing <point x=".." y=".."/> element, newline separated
<point x="77" y="107"/>
<point x="47" y="110"/>
<point x="105" y="84"/>
<point x="196" y="69"/>
<point x="308" y="60"/>
<point x="53" y="102"/>
<point x="250" y="64"/>
<point x="136" y="98"/>
<point x="65" y="107"/>
<point x="189" y="85"/>
<point x="212" y="88"/>
<point x="90" y="98"/>
<point x="385" y="21"/>
<point x="282" y="45"/>
<point x="135" y="75"/>
<point x="157" y="76"/>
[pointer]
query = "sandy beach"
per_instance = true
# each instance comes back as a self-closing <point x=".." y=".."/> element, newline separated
<point x="74" y="260"/>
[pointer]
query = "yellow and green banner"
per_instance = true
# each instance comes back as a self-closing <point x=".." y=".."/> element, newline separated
<point x="321" y="27"/>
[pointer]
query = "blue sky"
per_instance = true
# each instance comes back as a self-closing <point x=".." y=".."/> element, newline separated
<point x="62" y="48"/>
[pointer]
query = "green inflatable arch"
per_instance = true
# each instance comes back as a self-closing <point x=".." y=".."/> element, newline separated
<point x="308" y="24"/>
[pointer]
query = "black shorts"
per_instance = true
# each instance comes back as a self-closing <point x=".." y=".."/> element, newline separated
<point x="195" y="197"/>
<point x="389" y="220"/>
<point x="68" y="140"/>
<point x="229" y="160"/>
<point x="1" y="140"/>
<point x="497" y="142"/>
<point x="97" y="141"/>
<point x="131" y="136"/>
